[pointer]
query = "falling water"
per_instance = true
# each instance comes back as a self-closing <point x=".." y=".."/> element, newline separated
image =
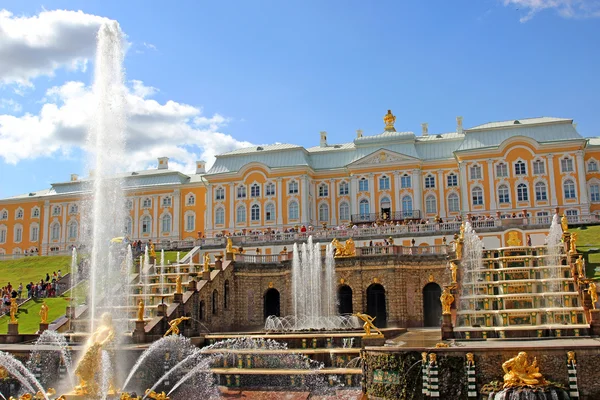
<point x="23" y="375"/>
<point x="162" y="271"/>
<point x="178" y="261"/>
<point x="106" y="144"/>
<point x="191" y="268"/>
<point x="129" y="272"/>
<point x="553" y="260"/>
<point x="471" y="263"/>
<point x="74" y="273"/>
<point x="44" y="360"/>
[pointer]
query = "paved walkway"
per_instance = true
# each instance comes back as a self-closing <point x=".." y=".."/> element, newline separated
<point x="417" y="337"/>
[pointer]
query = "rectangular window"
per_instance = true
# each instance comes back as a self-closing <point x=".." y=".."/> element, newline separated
<point x="566" y="165"/>
<point x="270" y="190"/>
<point x="540" y="192"/>
<point x="293" y="187"/>
<point x="429" y="182"/>
<point x="538" y="167"/>
<point x="595" y="193"/>
<point x="220" y="194"/>
<point x="190" y="223"/>
<point x="344" y="188"/>
<point x="167" y="202"/>
<point x="475" y="172"/>
<point x="35" y="232"/>
<point x="501" y="170"/>
<point x="363" y="185"/>
<point x="520" y="168"/>
<point x="323" y="190"/>
<point x="452" y="180"/>
<point x="384" y="183"/>
<point x="405" y="182"/>
<point x="255" y="191"/>
<point x="241" y="192"/>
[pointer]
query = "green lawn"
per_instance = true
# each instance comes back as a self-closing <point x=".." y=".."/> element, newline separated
<point x="588" y="237"/>
<point x="28" y="314"/>
<point x="27" y="269"/>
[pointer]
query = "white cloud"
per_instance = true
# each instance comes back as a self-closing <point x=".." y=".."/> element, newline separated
<point x="31" y="46"/>
<point x="149" y="46"/>
<point x="175" y="130"/>
<point x="565" y="8"/>
<point x="10" y="105"/>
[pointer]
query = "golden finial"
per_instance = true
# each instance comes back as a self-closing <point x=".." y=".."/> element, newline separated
<point x="389" y="120"/>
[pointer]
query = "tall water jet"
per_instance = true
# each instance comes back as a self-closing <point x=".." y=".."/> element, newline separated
<point x="553" y="245"/>
<point x="106" y="142"/>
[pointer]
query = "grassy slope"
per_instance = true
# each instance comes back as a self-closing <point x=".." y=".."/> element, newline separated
<point x="27" y="269"/>
<point x="28" y="315"/>
<point x="589" y="238"/>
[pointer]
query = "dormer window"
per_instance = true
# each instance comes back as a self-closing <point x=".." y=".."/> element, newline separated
<point x="255" y="190"/>
<point x="220" y="193"/>
<point x="475" y="172"/>
<point x="241" y="192"/>
<point x="270" y="189"/>
<point x="323" y="190"/>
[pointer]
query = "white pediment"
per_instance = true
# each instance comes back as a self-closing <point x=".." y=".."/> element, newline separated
<point x="382" y="157"/>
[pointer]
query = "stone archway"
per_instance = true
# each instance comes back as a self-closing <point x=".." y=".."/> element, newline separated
<point x="272" y="303"/>
<point x="376" y="306"/>
<point x="432" y="307"/>
<point x="344" y="300"/>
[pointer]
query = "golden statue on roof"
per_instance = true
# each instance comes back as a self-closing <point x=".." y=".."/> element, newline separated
<point x="389" y="120"/>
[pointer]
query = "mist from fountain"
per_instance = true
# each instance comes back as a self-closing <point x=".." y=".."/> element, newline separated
<point x="16" y="368"/>
<point x="46" y="360"/>
<point x="553" y="258"/>
<point x="471" y="264"/>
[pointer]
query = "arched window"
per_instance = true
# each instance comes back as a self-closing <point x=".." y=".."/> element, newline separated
<point x="270" y="212"/>
<point x="128" y="225"/>
<point x="146" y="224"/>
<point x="569" y="189"/>
<point x="240" y="215"/>
<point x="522" y="192"/>
<point x="255" y="190"/>
<point x="384" y="183"/>
<point x="407" y="205"/>
<point x="166" y="223"/>
<point x="364" y="208"/>
<point x="344" y="211"/>
<point x="55" y="231"/>
<point x="220" y="216"/>
<point x="323" y="190"/>
<point x="19" y="214"/>
<point x="225" y="294"/>
<point x="241" y="192"/>
<point x="540" y="192"/>
<point x="191" y="200"/>
<point x="18" y="233"/>
<point x="190" y="222"/>
<point x="73" y="230"/>
<point x="430" y="204"/>
<point x="34" y="232"/>
<point x="385" y="202"/>
<point x="453" y="203"/>
<point x="323" y="212"/>
<point x="255" y="212"/>
<point x="147" y="203"/>
<point x="477" y="196"/>
<point x="293" y="210"/>
<point x="503" y="194"/>
<point x="344" y="188"/>
<point x="35" y="213"/>
<point x="2" y="234"/>
<point x="215" y="304"/>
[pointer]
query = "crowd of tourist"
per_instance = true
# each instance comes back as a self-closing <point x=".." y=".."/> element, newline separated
<point x="47" y="286"/>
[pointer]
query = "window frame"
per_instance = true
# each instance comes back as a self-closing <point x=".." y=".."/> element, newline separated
<point x="571" y="193"/>
<point x="503" y="194"/>
<point x="451" y="180"/>
<point x="522" y="192"/>
<point x="477" y="200"/>
<point x="539" y="167"/>
<point x="363" y="185"/>
<point x="456" y="198"/>
<point x="520" y="168"/>
<point x="384" y="182"/>
<point x="541" y="191"/>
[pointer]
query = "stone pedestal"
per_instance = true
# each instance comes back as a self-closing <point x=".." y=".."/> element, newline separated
<point x="218" y="263"/>
<point x="178" y="298"/>
<point x="192" y="286"/>
<point x="373" y="340"/>
<point x="447" y="328"/>
<point x="206" y="275"/>
<point x="13" y="334"/>
<point x="13" y="329"/>
<point x="139" y="333"/>
<point x="43" y="328"/>
<point x="595" y="323"/>
<point x="161" y="310"/>
<point x="70" y="312"/>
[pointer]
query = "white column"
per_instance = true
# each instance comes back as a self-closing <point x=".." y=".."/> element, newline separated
<point x="279" y="202"/>
<point x="442" y="210"/>
<point x="155" y="226"/>
<point x="333" y="206"/>
<point x="176" y="214"/>
<point x="396" y="192"/>
<point x="44" y="249"/>
<point x="232" y="210"/>
<point x="583" y="195"/>
<point x="373" y="207"/>
<point x="417" y="190"/>
<point x="552" y="183"/>
<point x="353" y="193"/>
<point x="464" y="189"/>
<point x="63" y="232"/>
<point x="135" y="226"/>
<point x="208" y="218"/>
<point x="304" y="199"/>
<point x="492" y="186"/>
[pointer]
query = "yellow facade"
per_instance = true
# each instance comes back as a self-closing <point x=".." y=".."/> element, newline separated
<point x="492" y="170"/>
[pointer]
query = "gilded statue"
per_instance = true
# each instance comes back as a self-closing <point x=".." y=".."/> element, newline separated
<point x="424" y="357"/>
<point x="462" y="231"/>
<point x="470" y="359"/>
<point x="458" y="247"/>
<point x="44" y="313"/>
<point x="178" y="288"/>
<point x="89" y="367"/>
<point x="573" y="242"/>
<point x="140" y="310"/>
<point x="206" y="262"/>
<point x="447" y="299"/>
<point x="580" y="263"/>
<point x="564" y="223"/>
<point x="389" y="120"/>
<point x="229" y="248"/>
<point x="571" y="358"/>
<point x="518" y="372"/>
<point x="3" y="373"/>
<point x="348" y="249"/>
<point x="513" y="239"/>
<point x="432" y="358"/>
<point x="14" y="307"/>
<point x="174" y="326"/>
<point x="152" y="251"/>
<point x="156" y="396"/>
<point x="593" y="292"/>
<point x="453" y="270"/>
<point x="368" y="325"/>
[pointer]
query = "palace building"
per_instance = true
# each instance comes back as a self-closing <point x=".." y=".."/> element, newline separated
<point x="523" y="168"/>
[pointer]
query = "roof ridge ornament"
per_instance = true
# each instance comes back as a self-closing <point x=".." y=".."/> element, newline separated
<point x="389" y="120"/>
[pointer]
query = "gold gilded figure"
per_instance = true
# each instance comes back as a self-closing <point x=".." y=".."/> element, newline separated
<point x="229" y="248"/>
<point x="593" y="292"/>
<point x="571" y="358"/>
<point x="573" y="243"/>
<point x="156" y="396"/>
<point x="178" y="288"/>
<point x="564" y="223"/>
<point x="206" y="262"/>
<point x="470" y="359"/>
<point x="348" y="249"/>
<point x="14" y="307"/>
<point x="44" y="313"/>
<point x="389" y="120"/>
<point x="152" y="252"/>
<point x="89" y="368"/>
<point x="518" y="372"/>
<point x="174" y="326"/>
<point x="368" y="325"/>
<point x="140" y="310"/>
<point x="458" y="247"/>
<point x="454" y="270"/>
<point x="447" y="299"/>
<point x="580" y="267"/>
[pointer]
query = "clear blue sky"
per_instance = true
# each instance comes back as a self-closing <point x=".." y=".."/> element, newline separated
<point x="281" y="71"/>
